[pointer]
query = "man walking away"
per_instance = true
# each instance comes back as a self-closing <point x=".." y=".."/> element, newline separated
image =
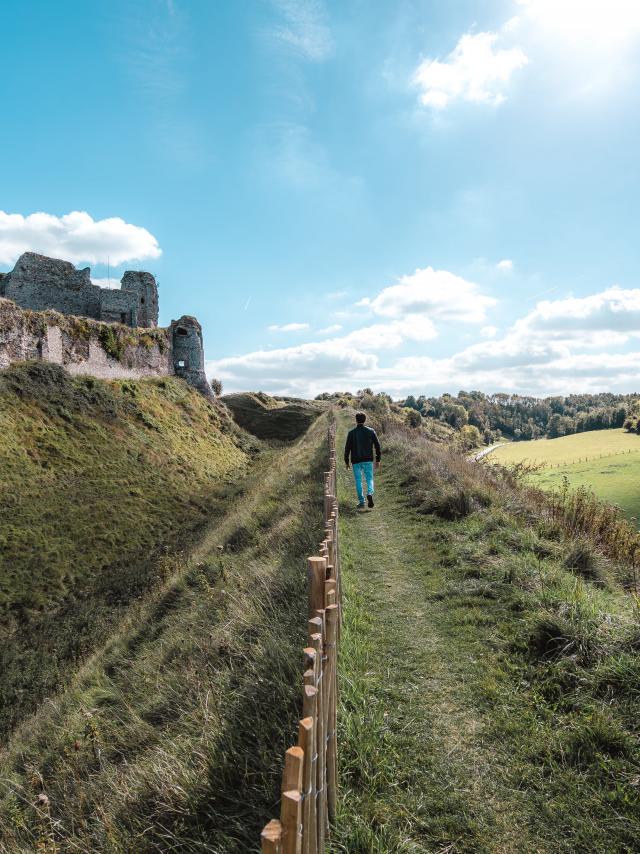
<point x="360" y="444"/>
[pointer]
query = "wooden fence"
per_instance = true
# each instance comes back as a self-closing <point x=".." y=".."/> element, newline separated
<point x="309" y="780"/>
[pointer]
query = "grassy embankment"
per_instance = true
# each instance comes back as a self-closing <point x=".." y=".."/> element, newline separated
<point x="100" y="484"/>
<point x="171" y="737"/>
<point x="489" y="690"/>
<point x="606" y="461"/>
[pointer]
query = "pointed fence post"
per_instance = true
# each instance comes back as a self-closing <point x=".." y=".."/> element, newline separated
<point x="309" y="780"/>
<point x="271" y="838"/>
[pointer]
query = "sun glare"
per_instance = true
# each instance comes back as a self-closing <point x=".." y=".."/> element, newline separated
<point x="604" y="23"/>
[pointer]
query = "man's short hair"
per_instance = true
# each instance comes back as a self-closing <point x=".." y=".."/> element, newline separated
<point x="360" y="417"/>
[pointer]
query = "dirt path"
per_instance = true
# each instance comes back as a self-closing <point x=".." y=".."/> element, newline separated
<point x="416" y="773"/>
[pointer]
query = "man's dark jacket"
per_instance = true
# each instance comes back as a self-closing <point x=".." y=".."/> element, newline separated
<point x="360" y="444"/>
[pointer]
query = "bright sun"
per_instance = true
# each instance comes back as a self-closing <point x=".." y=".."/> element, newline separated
<point x="604" y="23"/>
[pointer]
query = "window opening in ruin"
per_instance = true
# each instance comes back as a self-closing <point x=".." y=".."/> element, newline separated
<point x="182" y="331"/>
<point x="181" y="363"/>
<point x="142" y="300"/>
<point x="123" y="317"/>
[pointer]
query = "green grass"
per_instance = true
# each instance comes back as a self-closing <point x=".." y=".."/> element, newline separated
<point x="100" y="483"/>
<point x="172" y="737"/>
<point x="605" y="461"/>
<point x="488" y="690"/>
<point x="569" y="449"/>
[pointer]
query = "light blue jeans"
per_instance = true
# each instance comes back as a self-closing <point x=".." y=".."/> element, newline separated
<point x="360" y="470"/>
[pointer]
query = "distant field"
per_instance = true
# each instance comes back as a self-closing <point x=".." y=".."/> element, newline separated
<point x="606" y="461"/>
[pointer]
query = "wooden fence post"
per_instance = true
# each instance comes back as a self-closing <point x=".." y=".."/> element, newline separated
<point x="271" y="838"/>
<point x="290" y="816"/>
<point x="317" y="641"/>
<point x="317" y="573"/>
<point x="310" y="712"/>
<point x="291" y="808"/>
<point x="305" y="741"/>
<point x="309" y="780"/>
<point x="332" y="751"/>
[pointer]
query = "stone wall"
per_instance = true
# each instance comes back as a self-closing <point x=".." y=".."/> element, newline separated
<point x="40" y="283"/>
<point x="85" y="346"/>
<point x="51" y="311"/>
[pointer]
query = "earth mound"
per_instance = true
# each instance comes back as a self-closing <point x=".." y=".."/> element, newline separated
<point x="272" y="418"/>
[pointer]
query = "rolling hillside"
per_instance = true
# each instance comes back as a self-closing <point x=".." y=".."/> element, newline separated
<point x="606" y="461"/>
<point x="101" y="484"/>
<point x="170" y="737"/>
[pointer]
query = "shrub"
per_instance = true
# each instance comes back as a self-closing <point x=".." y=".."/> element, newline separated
<point x="413" y="417"/>
<point x="111" y="342"/>
<point x="582" y="560"/>
<point x="552" y="637"/>
<point x="448" y="502"/>
<point x="555" y="636"/>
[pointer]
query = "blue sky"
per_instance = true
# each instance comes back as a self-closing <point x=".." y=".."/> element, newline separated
<point x="412" y="195"/>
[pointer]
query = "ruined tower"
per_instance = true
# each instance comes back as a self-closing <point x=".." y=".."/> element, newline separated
<point x="188" y="353"/>
<point x="144" y="286"/>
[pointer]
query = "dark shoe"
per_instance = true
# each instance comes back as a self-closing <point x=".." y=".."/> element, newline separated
<point x="360" y="506"/>
<point x="370" y="500"/>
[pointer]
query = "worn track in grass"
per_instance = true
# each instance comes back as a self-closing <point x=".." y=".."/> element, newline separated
<point x="437" y="744"/>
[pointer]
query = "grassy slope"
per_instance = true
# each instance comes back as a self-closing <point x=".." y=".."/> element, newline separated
<point x="606" y="461"/>
<point x="271" y="418"/>
<point x="172" y="737"/>
<point x="98" y="483"/>
<point x="466" y="725"/>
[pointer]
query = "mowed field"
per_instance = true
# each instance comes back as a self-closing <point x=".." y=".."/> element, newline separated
<point x="606" y="461"/>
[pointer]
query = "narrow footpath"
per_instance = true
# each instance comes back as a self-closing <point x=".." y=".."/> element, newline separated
<point x="425" y="763"/>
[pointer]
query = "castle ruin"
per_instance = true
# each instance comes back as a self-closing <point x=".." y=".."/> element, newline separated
<point x="41" y="284"/>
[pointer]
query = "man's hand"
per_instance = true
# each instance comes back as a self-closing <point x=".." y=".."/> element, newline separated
<point x="377" y="464"/>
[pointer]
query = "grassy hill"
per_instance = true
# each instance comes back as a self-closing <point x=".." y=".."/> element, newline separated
<point x="489" y="675"/>
<point x="606" y="461"/>
<point x="100" y="485"/>
<point x="282" y="419"/>
<point x="171" y="736"/>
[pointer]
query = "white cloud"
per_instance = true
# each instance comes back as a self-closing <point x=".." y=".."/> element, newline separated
<point x="75" y="237"/>
<point x="383" y="336"/>
<point x="611" y="316"/>
<point x="561" y="346"/>
<point x="329" y="330"/>
<point x="304" y="370"/>
<point x="289" y="327"/>
<point x="305" y="29"/>
<point x="506" y="265"/>
<point x="537" y="372"/>
<point x="474" y="71"/>
<point x="435" y="293"/>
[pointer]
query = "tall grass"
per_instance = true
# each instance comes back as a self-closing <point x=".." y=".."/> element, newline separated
<point x="99" y="482"/>
<point x="171" y="737"/>
<point x="445" y="483"/>
<point x="538" y="644"/>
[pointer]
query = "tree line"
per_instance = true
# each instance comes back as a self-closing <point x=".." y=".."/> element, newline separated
<point x="517" y="417"/>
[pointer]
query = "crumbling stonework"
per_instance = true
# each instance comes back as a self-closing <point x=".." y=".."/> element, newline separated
<point x="53" y="312"/>
<point x="78" y="345"/>
<point x="188" y="352"/>
<point x="40" y="283"/>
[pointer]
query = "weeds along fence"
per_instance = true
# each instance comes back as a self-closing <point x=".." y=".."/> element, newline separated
<point x="309" y="779"/>
<point x="586" y="459"/>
